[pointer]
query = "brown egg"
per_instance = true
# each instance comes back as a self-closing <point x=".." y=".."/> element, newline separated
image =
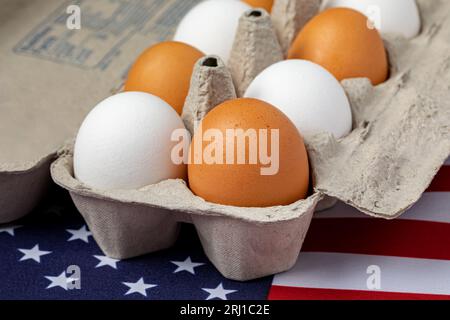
<point x="340" y="40"/>
<point x="225" y="171"/>
<point x="165" y="70"/>
<point x="265" y="4"/>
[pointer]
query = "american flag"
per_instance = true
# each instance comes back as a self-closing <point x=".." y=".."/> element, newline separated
<point x="344" y="249"/>
<point x="52" y="255"/>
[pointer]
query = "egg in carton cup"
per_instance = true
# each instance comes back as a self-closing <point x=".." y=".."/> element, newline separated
<point x="401" y="138"/>
<point x="243" y="243"/>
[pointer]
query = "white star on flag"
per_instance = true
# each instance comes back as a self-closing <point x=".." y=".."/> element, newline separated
<point x="139" y="287"/>
<point x="82" y="234"/>
<point x="106" y="261"/>
<point x="218" y="292"/>
<point x="9" y="230"/>
<point x="186" y="265"/>
<point x="33" y="254"/>
<point x="59" y="281"/>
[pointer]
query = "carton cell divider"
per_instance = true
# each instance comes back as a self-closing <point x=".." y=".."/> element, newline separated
<point x="290" y="16"/>
<point x="211" y="84"/>
<point x="255" y="48"/>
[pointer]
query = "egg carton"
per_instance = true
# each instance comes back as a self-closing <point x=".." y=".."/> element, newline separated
<point x="379" y="168"/>
<point x="401" y="139"/>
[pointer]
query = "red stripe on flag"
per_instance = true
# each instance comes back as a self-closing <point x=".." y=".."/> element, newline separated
<point x="441" y="182"/>
<point x="399" y="238"/>
<point x="292" y="293"/>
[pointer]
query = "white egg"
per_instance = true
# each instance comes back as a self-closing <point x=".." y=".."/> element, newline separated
<point x="400" y="17"/>
<point x="125" y="143"/>
<point x="308" y="94"/>
<point x="211" y="26"/>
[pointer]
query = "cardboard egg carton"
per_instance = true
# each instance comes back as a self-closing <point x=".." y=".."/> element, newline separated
<point x="401" y="139"/>
<point x="243" y="243"/>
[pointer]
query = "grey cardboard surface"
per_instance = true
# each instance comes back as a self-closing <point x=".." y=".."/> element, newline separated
<point x="255" y="48"/>
<point x="52" y="76"/>
<point x="21" y="191"/>
<point x="289" y="16"/>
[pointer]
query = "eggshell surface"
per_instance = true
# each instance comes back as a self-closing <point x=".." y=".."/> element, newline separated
<point x="125" y="143"/>
<point x="340" y="40"/>
<point x="165" y="71"/>
<point x="308" y="94"/>
<point x="390" y="16"/>
<point x="243" y="184"/>
<point x="211" y="26"/>
<point x="265" y="4"/>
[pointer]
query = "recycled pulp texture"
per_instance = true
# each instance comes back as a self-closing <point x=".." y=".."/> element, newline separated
<point x="403" y="134"/>
<point x="289" y="16"/>
<point x="211" y="84"/>
<point x="255" y="48"/>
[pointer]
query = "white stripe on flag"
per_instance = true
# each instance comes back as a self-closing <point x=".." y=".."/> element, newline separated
<point x="434" y="207"/>
<point x="349" y="272"/>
